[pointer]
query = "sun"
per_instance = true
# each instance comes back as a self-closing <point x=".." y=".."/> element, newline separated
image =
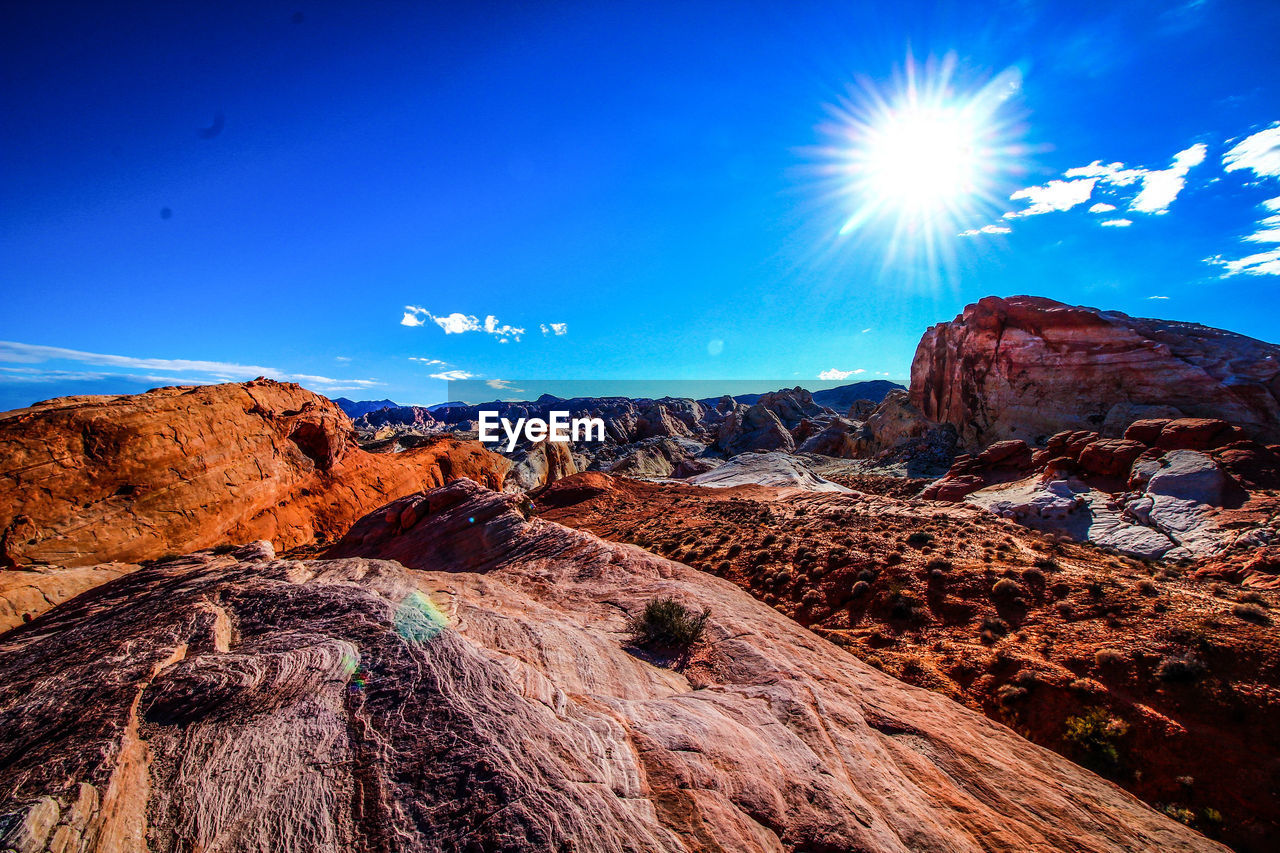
<point x="926" y="156"/>
<point x="922" y="158"/>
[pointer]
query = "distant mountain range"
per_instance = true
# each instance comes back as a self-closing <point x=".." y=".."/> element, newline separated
<point x="839" y="398"/>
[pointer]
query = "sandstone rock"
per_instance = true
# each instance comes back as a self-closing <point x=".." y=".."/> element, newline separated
<point x="861" y="410"/>
<point x="1110" y="457"/>
<point x="1146" y="431"/>
<point x="87" y="480"/>
<point x="26" y="593"/>
<point x="491" y="702"/>
<point x="656" y="457"/>
<point x="838" y="439"/>
<point x="1196" y="434"/>
<point x="1253" y="465"/>
<point x="1027" y="367"/>
<point x="540" y="465"/>
<point x="1000" y="463"/>
<point x="766" y="469"/>
<point x="755" y="427"/>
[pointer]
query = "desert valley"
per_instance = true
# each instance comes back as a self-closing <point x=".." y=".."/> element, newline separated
<point x="1026" y="603"/>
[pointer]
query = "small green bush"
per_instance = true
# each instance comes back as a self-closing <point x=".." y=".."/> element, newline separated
<point x="1097" y="734"/>
<point x="667" y="623"/>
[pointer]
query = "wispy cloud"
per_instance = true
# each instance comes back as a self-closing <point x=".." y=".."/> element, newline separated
<point x="1258" y="153"/>
<point x="458" y="323"/>
<point x="985" y="229"/>
<point x="453" y="375"/>
<point x="501" y="385"/>
<point x="1157" y="297"/>
<point x="840" y="374"/>
<point x="1117" y="223"/>
<point x="430" y="362"/>
<point x="201" y="372"/>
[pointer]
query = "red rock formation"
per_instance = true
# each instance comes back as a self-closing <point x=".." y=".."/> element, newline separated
<point x="1027" y="367"/>
<point x="93" y="479"/>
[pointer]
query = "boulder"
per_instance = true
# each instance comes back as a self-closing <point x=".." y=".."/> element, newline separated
<point x="1110" y="457"/>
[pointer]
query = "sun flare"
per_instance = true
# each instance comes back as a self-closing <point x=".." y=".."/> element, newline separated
<point x="926" y="157"/>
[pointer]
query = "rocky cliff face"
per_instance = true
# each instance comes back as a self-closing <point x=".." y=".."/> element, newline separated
<point x="87" y="480"/>
<point x="490" y="700"/>
<point x="1027" y="367"/>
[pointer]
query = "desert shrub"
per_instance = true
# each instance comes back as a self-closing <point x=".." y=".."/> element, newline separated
<point x="919" y="539"/>
<point x="1254" y="613"/>
<point x="1110" y="658"/>
<point x="1096" y="734"/>
<point x="227" y="548"/>
<point x="1146" y="586"/>
<point x="667" y="623"/>
<point x="1035" y="577"/>
<point x="1179" y="669"/>
<point x="860" y="588"/>
<point x="893" y="558"/>
<point x="866" y="575"/>
<point x="1006" y="588"/>
<point x="938" y="563"/>
<point x="734" y="550"/>
<point x="1253" y="597"/>
<point x="768" y="539"/>
<point x="1008" y="694"/>
<point x="995" y="625"/>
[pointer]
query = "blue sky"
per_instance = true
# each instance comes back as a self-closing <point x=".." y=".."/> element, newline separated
<point x="201" y="192"/>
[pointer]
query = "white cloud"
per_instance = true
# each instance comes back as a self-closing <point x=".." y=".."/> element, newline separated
<point x="208" y="372"/>
<point x="864" y="331"/>
<point x="1112" y="173"/>
<point x="1160" y="188"/>
<point x="458" y="323"/>
<point x="839" y="374"/>
<point x="1263" y="263"/>
<point x="1259" y="152"/>
<point x="501" y="385"/>
<point x="428" y="361"/>
<point x="1157" y="297"/>
<point x="1118" y="223"/>
<point x="1055" y="195"/>
<point x="453" y="375"/>
<point x="985" y="229"/>
<point x="556" y="328"/>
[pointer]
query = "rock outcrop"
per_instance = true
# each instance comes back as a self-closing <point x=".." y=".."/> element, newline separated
<point x="87" y="480"/>
<point x="1028" y="367"/>
<point x="766" y="469"/>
